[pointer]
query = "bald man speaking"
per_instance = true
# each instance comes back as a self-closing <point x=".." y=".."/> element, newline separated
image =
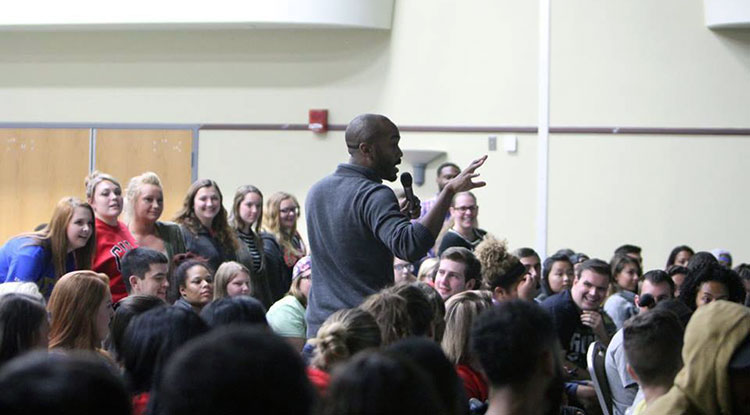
<point x="355" y="225"/>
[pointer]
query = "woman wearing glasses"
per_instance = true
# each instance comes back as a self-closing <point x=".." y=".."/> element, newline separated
<point x="282" y="244"/>
<point x="462" y="228"/>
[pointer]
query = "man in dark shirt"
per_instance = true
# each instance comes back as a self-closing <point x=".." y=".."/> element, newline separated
<point x="355" y="225"/>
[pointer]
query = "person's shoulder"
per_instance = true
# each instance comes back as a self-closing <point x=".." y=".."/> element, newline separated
<point x="555" y="300"/>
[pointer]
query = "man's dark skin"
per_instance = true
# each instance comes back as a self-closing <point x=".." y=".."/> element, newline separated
<point x="373" y="142"/>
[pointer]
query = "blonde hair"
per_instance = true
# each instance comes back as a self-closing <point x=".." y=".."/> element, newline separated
<point x="93" y="180"/>
<point x="73" y="306"/>
<point x="272" y="224"/>
<point x="54" y="236"/>
<point x="343" y="334"/>
<point x="133" y="192"/>
<point x="296" y="292"/>
<point x="495" y="260"/>
<point x="428" y="269"/>
<point x="235" y="220"/>
<point x="460" y="312"/>
<point x="391" y="312"/>
<point x="219" y="226"/>
<point x="225" y="274"/>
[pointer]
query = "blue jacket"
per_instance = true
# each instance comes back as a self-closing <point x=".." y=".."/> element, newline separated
<point x="21" y="260"/>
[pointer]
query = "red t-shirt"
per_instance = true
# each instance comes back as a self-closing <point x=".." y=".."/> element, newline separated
<point x="319" y="379"/>
<point x="474" y="383"/>
<point x="140" y="403"/>
<point x="112" y="242"/>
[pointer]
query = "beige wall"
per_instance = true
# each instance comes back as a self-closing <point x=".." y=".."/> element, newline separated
<point x="637" y="63"/>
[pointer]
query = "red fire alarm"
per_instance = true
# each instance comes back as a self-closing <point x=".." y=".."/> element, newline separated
<point x="318" y="121"/>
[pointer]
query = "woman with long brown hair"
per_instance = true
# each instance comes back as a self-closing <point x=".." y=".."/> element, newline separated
<point x="205" y="228"/>
<point x="80" y="310"/>
<point x="67" y="243"/>
<point x="282" y="244"/>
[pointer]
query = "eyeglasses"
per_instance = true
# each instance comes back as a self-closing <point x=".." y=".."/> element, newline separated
<point x="287" y="211"/>
<point x="464" y="209"/>
<point x="403" y="267"/>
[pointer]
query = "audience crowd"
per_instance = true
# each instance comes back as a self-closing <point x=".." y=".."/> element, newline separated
<point x="129" y="314"/>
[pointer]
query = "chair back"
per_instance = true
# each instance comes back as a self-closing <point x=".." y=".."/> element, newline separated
<point x="595" y="361"/>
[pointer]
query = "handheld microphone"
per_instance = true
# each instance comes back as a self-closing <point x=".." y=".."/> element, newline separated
<point x="406" y="181"/>
<point x="647" y="300"/>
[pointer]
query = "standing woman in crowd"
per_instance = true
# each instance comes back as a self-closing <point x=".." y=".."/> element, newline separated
<point x="80" y="310"/>
<point x="144" y="204"/>
<point x="205" y="228"/>
<point x="232" y="279"/>
<point x="113" y="240"/>
<point x="461" y="310"/>
<point x="191" y="285"/>
<point x="557" y="275"/>
<point x="67" y="243"/>
<point x="620" y="305"/>
<point x="462" y="227"/>
<point x="282" y="244"/>
<point x="680" y="255"/>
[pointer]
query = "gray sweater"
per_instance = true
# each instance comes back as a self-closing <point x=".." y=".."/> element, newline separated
<point x="355" y="228"/>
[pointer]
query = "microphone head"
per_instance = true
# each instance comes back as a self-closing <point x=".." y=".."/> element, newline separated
<point x="406" y="179"/>
<point x="646" y="300"/>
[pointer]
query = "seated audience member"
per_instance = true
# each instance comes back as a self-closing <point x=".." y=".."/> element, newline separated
<point x="80" y="310"/>
<point x="656" y="287"/>
<point x="620" y="306"/>
<point x="557" y="275"/>
<point x="723" y="256"/>
<point x="391" y="311"/>
<point x="710" y="283"/>
<point x="113" y="239"/>
<point x="501" y="272"/>
<point x="144" y="204"/>
<point x="376" y="383"/>
<point x="283" y="245"/>
<point x="205" y="227"/>
<point x="62" y="384"/>
<point x="420" y="310"/>
<point x="232" y="279"/>
<point x="430" y="358"/>
<point x="569" y="253"/>
<point x="403" y="271"/>
<point x="579" y="321"/>
<point x="192" y="285"/>
<point x="438" y="308"/>
<point x="678" y="274"/>
<point x="427" y="270"/>
<point x="214" y="374"/>
<point x="743" y="270"/>
<point x="460" y="313"/>
<point x="23" y="325"/>
<point x="701" y="259"/>
<point x="652" y="343"/>
<point x="529" y="287"/>
<point x="680" y="255"/>
<point x="125" y="310"/>
<point x="517" y="349"/>
<point x="287" y="316"/>
<point x="458" y="271"/>
<point x="631" y="251"/>
<point x="577" y="259"/>
<point x="341" y="336"/>
<point x="716" y="372"/>
<point x="66" y="244"/>
<point x="462" y="229"/>
<point x="152" y="338"/>
<point x="234" y="310"/>
<point x="145" y="272"/>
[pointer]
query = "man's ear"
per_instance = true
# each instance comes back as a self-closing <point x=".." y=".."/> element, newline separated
<point x="133" y="281"/>
<point x="499" y="293"/>
<point x="631" y="372"/>
<point x="470" y="285"/>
